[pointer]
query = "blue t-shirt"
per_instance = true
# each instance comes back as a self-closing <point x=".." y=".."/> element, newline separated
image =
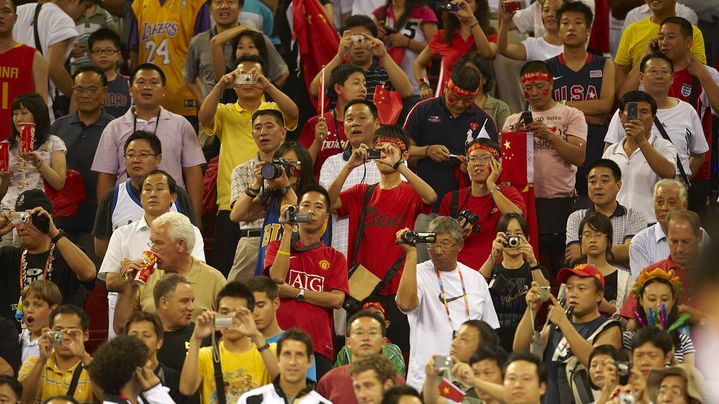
<point x="117" y="99"/>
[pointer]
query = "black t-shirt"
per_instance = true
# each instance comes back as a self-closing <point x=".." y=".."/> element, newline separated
<point x="170" y="378"/>
<point x="508" y="288"/>
<point x="103" y="219"/>
<point x="10" y="349"/>
<point x="610" y="286"/>
<point x="174" y="349"/>
<point x="73" y="291"/>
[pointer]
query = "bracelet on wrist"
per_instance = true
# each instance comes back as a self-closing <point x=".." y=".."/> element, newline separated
<point x="535" y="267"/>
<point x="264" y="347"/>
<point x="251" y="192"/>
<point x="426" y="151"/>
<point x="285" y="253"/>
<point x="474" y="24"/>
<point x="58" y="236"/>
<point x="397" y="164"/>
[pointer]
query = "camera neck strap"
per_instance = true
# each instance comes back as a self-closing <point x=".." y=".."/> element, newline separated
<point x="23" y="266"/>
<point x="75" y="380"/>
<point x="664" y="134"/>
<point x="360" y="229"/>
<point x="296" y="239"/>
<point x="443" y="295"/>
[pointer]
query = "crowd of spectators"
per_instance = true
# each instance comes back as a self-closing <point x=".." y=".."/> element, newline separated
<point x="359" y="201"/>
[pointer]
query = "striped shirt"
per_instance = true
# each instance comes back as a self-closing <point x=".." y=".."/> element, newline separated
<point x="55" y="381"/>
<point x="686" y="346"/>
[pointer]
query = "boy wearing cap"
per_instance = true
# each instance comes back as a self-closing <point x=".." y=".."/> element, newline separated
<point x="44" y="253"/>
<point x="573" y="333"/>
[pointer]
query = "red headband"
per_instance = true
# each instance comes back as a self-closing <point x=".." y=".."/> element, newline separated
<point x="535" y="76"/>
<point x="476" y="146"/>
<point x="395" y="141"/>
<point x="460" y="91"/>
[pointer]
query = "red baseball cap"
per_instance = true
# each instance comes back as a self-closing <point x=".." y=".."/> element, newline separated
<point x="583" y="270"/>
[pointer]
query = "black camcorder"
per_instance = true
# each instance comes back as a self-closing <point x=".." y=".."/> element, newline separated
<point x="413" y="237"/>
<point x="293" y="216"/>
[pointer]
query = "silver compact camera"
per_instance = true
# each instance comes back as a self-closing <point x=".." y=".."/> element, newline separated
<point x="243" y="79"/>
<point x="57" y="337"/>
<point x="358" y="39"/>
<point x="19" y="217"/>
<point x="224" y="321"/>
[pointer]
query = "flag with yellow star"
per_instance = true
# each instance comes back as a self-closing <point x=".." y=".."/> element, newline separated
<point x="448" y="390"/>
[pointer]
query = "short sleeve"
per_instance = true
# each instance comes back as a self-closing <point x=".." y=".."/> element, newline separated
<point x="615" y="131"/>
<point x="338" y="278"/>
<point x="191" y="150"/>
<point x="103" y="221"/>
<point x="624" y="56"/>
<point x="270" y="255"/>
<point x="637" y="223"/>
<point x="573" y="227"/>
<point x="191" y="69"/>
<point x="577" y="125"/>
<point x="54" y="144"/>
<point x="307" y="136"/>
<point x="524" y="20"/>
<point x="444" y="206"/>
<point x="531" y="48"/>
<point x="236" y="185"/>
<point x="510" y="122"/>
<point x="106" y="159"/>
<point x="425" y="14"/>
<point x="698" y="142"/>
<point x="515" y="197"/>
<point x="277" y="66"/>
<point x="411" y="124"/>
<point x="698" y="46"/>
<point x="666" y="149"/>
<point x="349" y="198"/>
<point x="26" y="368"/>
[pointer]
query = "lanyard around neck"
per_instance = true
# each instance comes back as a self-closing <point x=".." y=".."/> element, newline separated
<point x="443" y="295"/>
<point x="24" y="264"/>
<point x="157" y="121"/>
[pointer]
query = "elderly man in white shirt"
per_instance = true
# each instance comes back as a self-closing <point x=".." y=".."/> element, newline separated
<point x="439" y="295"/>
<point x="650" y="245"/>
<point x="159" y="192"/>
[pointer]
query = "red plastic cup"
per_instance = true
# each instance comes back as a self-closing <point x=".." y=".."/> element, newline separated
<point x="149" y="259"/>
<point x="27" y="137"/>
<point x="4" y="157"/>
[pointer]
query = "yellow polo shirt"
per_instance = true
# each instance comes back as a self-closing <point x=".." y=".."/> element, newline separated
<point x="55" y="382"/>
<point x="233" y="126"/>
<point x="632" y="46"/>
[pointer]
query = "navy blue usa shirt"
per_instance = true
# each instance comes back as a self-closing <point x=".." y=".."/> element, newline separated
<point x="430" y="122"/>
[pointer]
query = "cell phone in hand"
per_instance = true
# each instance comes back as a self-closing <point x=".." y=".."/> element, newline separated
<point x="526" y="118"/>
<point x="631" y="111"/>
<point x="511" y="6"/>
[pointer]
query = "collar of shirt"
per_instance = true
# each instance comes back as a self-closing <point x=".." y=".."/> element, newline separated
<point x="102" y="120"/>
<point x="658" y="233"/>
<point x="129" y="116"/>
<point x="619" y="147"/>
<point x="142" y="224"/>
<point x="618" y="211"/>
<point x="263" y="105"/>
<point x="52" y="366"/>
<point x="310" y="386"/>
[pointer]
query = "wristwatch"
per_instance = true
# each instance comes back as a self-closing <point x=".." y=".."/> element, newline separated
<point x="300" y="296"/>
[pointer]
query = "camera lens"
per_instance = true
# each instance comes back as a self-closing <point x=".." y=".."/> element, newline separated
<point x="270" y="171"/>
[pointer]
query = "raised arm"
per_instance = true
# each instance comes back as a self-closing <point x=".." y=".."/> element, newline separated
<point x="407" y="297"/>
<point x="338" y="59"/>
<point x="397" y="76"/>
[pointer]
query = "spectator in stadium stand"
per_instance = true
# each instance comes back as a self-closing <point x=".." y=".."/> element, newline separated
<point x="122" y="204"/>
<point x="51" y="372"/>
<point x="510" y="272"/>
<point x="294" y="353"/>
<point x="325" y="135"/>
<point x="679" y="119"/>
<point x="39" y="299"/>
<point x="28" y="65"/>
<point x="392" y="205"/>
<point x="405" y="27"/>
<point x="604" y="179"/>
<point x="362" y="327"/>
<point x="439" y="129"/>
<point x="45" y="164"/>
<point x="211" y="53"/>
<point x="568" y="335"/>
<point x="542" y="47"/>
<point x="472" y="335"/>
<point x="560" y="136"/>
<point x="652" y="244"/>
<point x="233" y="126"/>
<point x="639" y="38"/>
<point x="520" y="368"/>
<point x="127" y="243"/>
<point x="483" y="374"/>
<point x="43" y="254"/>
<point x="402" y="394"/>
<point x="657" y="289"/>
<point x="174" y="299"/>
<point x="360" y="123"/>
<point x="496" y="108"/>
<point x="10" y="351"/>
<point x="56" y="32"/>
<point x="81" y="131"/>
<point x="245" y="359"/>
<point x="583" y="80"/>
<point x="651" y="348"/>
<point x="463" y="292"/>
<point x="483" y="198"/>
<point x="105" y="54"/>
<point x="172" y="239"/>
<point x="160" y="34"/>
<point x="697" y="84"/>
<point x="10" y="389"/>
<point x="147" y="328"/>
<point x="595" y="372"/>
<point x="371" y="377"/>
<point x="367" y="53"/>
<point x="95" y="17"/>
<point x="267" y="301"/>
<point x="462" y="30"/>
<point x="121" y="370"/>
<point x="182" y="156"/>
<point x="315" y="282"/>
<point x="645" y="157"/>
<point x="268" y="132"/>
<point x="676" y="384"/>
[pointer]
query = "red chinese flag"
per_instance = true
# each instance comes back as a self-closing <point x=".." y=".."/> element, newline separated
<point x="388" y="103"/>
<point x="315" y="35"/>
<point x="518" y="170"/>
<point x="448" y="390"/>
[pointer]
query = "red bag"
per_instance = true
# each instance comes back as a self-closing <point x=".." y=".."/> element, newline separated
<point x="388" y="103"/>
<point x="66" y="200"/>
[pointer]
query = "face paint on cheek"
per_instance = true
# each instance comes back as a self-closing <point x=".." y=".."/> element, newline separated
<point x="526" y="94"/>
<point x="544" y="92"/>
<point x="451" y="99"/>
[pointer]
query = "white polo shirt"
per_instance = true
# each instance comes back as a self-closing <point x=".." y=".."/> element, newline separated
<point x="638" y="178"/>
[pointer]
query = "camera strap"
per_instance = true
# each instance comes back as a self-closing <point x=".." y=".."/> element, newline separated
<point x="296" y="239"/>
<point x="217" y="367"/>
<point x="664" y="134"/>
<point x="75" y="380"/>
<point x="360" y="229"/>
<point x="443" y="295"/>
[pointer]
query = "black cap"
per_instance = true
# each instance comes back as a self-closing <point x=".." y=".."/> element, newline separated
<point x="31" y="199"/>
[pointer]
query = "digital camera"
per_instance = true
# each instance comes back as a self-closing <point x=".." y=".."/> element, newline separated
<point x="358" y="39"/>
<point x="511" y="241"/>
<point x="224" y="321"/>
<point x="243" y="79"/>
<point x="374" y="154"/>
<point x="413" y="237"/>
<point x="57" y="337"/>
<point x="293" y="216"/>
<point x="471" y="218"/>
<point x="273" y="169"/>
<point x="450" y="7"/>
<point x="20" y="217"/>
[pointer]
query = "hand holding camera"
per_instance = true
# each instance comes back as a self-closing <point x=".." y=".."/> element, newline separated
<point x="413" y="238"/>
<point x="277" y="172"/>
<point x="291" y="215"/>
<point x="358" y="157"/>
<point x="469" y="220"/>
<point x="346" y="42"/>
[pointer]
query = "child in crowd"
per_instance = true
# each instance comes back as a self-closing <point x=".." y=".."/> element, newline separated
<point x="105" y="54"/>
<point x="39" y="299"/>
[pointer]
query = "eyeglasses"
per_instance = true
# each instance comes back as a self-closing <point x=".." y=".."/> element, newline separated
<point x="477" y="159"/>
<point x="83" y="90"/>
<point x="106" y="51"/>
<point x="659" y="72"/>
<point x="593" y="235"/>
<point x="141" y="156"/>
<point x="441" y="246"/>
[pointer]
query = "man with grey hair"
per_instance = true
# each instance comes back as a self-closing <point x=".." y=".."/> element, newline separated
<point x="650" y="245"/>
<point x="172" y="238"/>
<point x="439" y="295"/>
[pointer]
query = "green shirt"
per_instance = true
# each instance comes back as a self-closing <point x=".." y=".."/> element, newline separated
<point x="389" y="351"/>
